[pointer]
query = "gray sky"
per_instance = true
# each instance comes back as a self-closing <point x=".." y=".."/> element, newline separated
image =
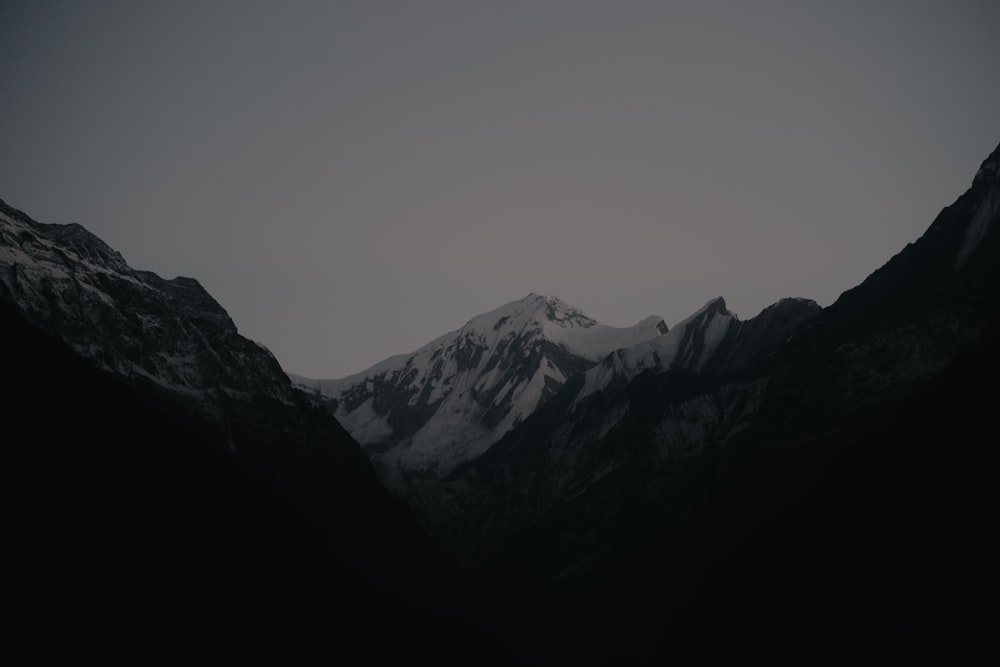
<point x="351" y="179"/>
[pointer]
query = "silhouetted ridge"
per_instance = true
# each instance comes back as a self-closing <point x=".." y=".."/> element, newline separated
<point x="170" y="496"/>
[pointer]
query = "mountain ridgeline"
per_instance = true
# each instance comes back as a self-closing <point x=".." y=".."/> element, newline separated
<point x="651" y="500"/>
<point x="422" y="415"/>
<point x="170" y="498"/>
<point x="806" y="486"/>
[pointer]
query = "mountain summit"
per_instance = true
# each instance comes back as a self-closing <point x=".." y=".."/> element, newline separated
<point x="446" y="403"/>
<point x="426" y="413"/>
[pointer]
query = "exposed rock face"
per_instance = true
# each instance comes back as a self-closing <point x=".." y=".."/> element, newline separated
<point x="170" y="333"/>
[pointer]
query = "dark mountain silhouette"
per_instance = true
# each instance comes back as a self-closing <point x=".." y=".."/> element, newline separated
<point x="164" y="516"/>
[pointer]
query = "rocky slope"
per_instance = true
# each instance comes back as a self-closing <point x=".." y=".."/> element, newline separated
<point x="167" y="333"/>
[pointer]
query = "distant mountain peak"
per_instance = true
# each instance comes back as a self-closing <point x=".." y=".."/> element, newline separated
<point x="716" y="306"/>
<point x="535" y="309"/>
<point x="452" y="398"/>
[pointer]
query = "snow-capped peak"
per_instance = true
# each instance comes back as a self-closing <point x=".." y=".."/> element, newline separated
<point x="557" y="321"/>
<point x="455" y="396"/>
<point x="687" y="346"/>
<point x="532" y="313"/>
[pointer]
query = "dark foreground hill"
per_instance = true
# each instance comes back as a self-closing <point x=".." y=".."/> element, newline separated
<point x="133" y="536"/>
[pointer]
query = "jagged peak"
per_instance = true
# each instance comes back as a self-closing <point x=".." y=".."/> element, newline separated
<point x="718" y="304"/>
<point x="534" y="311"/>
<point x="44" y="238"/>
<point x="535" y="316"/>
<point x="714" y="307"/>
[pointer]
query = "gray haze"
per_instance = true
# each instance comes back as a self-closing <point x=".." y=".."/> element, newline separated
<point x="351" y="179"/>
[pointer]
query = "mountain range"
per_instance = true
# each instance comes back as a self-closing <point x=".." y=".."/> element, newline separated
<point x="423" y="414"/>
<point x="808" y="485"/>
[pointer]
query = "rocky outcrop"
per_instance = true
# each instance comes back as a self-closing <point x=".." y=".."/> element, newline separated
<point x="167" y="333"/>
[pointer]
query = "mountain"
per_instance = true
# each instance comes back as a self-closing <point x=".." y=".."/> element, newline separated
<point x="908" y="321"/>
<point x="423" y="413"/>
<point x="711" y="341"/>
<point x="169" y="497"/>
<point x="698" y="386"/>
<point x="426" y="413"/>
<point x="856" y="516"/>
<point x="807" y="486"/>
<point x="163" y="334"/>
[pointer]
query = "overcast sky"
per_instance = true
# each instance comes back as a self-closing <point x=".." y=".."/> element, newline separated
<point x="352" y="179"/>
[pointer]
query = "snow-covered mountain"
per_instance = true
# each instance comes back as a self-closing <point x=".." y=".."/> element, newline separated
<point x="652" y="406"/>
<point x="446" y="403"/>
<point x="426" y="413"/>
<point x="713" y="340"/>
<point x="170" y="334"/>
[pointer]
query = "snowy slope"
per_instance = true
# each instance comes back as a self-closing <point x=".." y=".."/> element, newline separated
<point x="711" y="341"/>
<point x="423" y="414"/>
<point x="687" y="347"/>
<point x="426" y="412"/>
